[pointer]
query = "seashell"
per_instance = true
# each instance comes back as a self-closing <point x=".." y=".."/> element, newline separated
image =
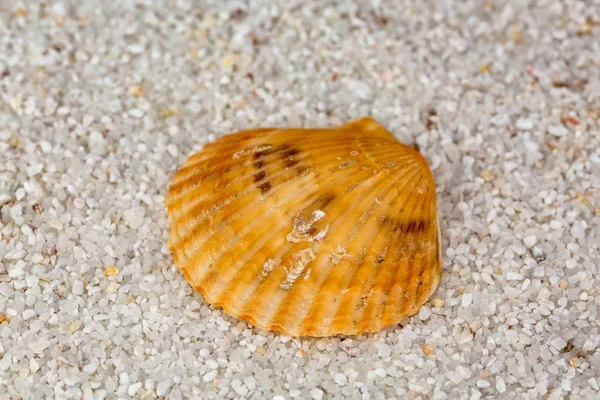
<point x="311" y="232"/>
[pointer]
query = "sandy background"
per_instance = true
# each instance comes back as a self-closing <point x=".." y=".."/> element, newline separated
<point x="100" y="102"/>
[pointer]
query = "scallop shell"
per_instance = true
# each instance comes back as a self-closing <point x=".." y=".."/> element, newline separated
<point x="311" y="232"/>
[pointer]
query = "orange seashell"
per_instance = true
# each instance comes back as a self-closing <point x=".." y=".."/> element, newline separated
<point x="311" y="232"/>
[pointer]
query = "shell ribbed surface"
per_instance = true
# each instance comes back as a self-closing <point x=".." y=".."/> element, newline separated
<point x="311" y="232"/>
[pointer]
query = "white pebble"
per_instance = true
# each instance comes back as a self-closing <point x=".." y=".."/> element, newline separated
<point x="134" y="217"/>
<point x="45" y="146"/>
<point x="20" y="194"/>
<point x="558" y="343"/>
<point x="133" y="388"/>
<point x="316" y="394"/>
<point x="210" y="376"/>
<point x="361" y="89"/>
<point x="463" y="371"/>
<point x="26" y="229"/>
<point x="172" y="149"/>
<point x="163" y="388"/>
<point x="136" y="113"/>
<point x="340" y="379"/>
<point x="77" y="288"/>
<point x="32" y="280"/>
<point x="39" y="346"/>
<point x="570" y="263"/>
<point x="136" y="48"/>
<point x="514" y="276"/>
<point x="524" y="124"/>
<point x="90" y="368"/>
<point x="555" y="224"/>
<point x="500" y="384"/>
<point x="87" y="392"/>
<point x="35" y="169"/>
<point x="16" y="272"/>
<point x="239" y="387"/>
<point x="204" y="352"/>
<point x="557" y="130"/>
<point x="34" y="366"/>
<point x="424" y="313"/>
<point x="112" y="287"/>
<point x="29" y="314"/>
<point x="529" y="241"/>
<point x="467" y="299"/>
<point x="384" y="350"/>
<point x="79" y="203"/>
<point x="454" y="377"/>
<point x="482" y="383"/>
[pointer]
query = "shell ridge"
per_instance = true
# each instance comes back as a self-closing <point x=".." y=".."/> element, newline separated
<point x="356" y="268"/>
<point x="173" y="197"/>
<point x="340" y="220"/>
<point x="426" y="262"/>
<point x="200" y="216"/>
<point x="332" y="227"/>
<point x="394" y="239"/>
<point x="229" y="140"/>
<point x="234" y="239"/>
<point x="214" y="146"/>
<point x="322" y="139"/>
<point x="428" y="265"/>
<point x="237" y="211"/>
<point x="229" y="292"/>
<point x="308" y="200"/>
<point x="250" y="189"/>
<point x="327" y="274"/>
<point x="412" y="259"/>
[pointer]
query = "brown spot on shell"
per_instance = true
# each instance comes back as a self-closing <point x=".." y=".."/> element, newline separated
<point x="290" y="162"/>
<point x="326" y="199"/>
<point x="260" y="154"/>
<point x="259" y="176"/>
<point x="265" y="187"/>
<point x="415" y="226"/>
<point x="302" y="171"/>
<point x="290" y="152"/>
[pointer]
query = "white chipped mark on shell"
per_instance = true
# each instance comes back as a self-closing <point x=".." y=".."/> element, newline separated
<point x="363" y="219"/>
<point x="351" y="187"/>
<point x="299" y="263"/>
<point x="307" y="274"/>
<point x="321" y="234"/>
<point x="338" y="254"/>
<point x="347" y="164"/>
<point x="252" y="150"/>
<point x="268" y="266"/>
<point x="302" y="226"/>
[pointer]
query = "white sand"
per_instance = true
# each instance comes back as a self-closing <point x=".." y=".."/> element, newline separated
<point x="100" y="102"/>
